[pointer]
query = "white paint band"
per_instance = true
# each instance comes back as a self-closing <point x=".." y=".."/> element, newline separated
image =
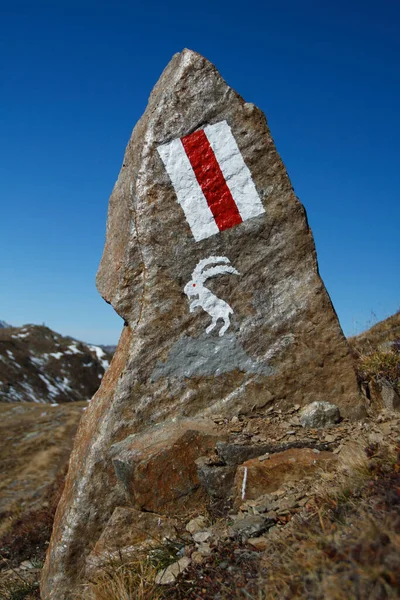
<point x="235" y="171"/>
<point x="188" y="191"/>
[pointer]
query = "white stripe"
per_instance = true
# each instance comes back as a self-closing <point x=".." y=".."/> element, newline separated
<point x="235" y="171"/>
<point x="190" y="196"/>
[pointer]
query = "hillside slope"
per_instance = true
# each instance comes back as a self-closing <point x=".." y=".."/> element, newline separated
<point x="39" y="365"/>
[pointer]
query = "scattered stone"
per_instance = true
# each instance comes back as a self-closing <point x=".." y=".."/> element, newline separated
<point x="197" y="524"/>
<point x="201" y="536"/>
<point x="27" y="565"/>
<point x="390" y="398"/>
<point x="259" y="543"/>
<point x="319" y="415"/>
<point x="172" y="572"/>
<point x="250" y="526"/>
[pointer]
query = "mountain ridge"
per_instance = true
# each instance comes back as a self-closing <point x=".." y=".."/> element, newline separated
<point x="40" y="365"/>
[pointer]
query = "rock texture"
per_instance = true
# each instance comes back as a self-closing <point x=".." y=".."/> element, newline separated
<point x="319" y="414"/>
<point x="256" y="477"/>
<point x="210" y="261"/>
<point x="157" y="468"/>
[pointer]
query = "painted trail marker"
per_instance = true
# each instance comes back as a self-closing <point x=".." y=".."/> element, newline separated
<point x="212" y="182"/>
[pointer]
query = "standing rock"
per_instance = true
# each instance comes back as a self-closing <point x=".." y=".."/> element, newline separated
<point x="211" y="263"/>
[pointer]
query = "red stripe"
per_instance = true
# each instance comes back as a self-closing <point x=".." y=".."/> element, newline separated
<point x="211" y="180"/>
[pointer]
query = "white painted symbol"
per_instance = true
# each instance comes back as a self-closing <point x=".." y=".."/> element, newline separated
<point x="214" y="306"/>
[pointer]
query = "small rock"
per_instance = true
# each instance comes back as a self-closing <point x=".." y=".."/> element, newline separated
<point x="169" y="575"/>
<point x="303" y="501"/>
<point x="201" y="536"/>
<point x="251" y="526"/>
<point x="259" y="543"/>
<point x="198" y="558"/>
<point x="204" y="549"/>
<point x="197" y="524"/>
<point x="390" y="397"/>
<point x="235" y="419"/>
<point x="265" y="456"/>
<point x="26" y="565"/>
<point x="319" y="415"/>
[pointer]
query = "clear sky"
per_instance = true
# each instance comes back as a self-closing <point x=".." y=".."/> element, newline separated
<point x="75" y="78"/>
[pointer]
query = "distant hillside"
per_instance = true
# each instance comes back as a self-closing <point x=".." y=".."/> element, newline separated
<point x="4" y="325"/>
<point x="39" y="365"/>
<point x="381" y="334"/>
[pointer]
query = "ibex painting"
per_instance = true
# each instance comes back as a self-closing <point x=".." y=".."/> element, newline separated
<point x="214" y="306"/>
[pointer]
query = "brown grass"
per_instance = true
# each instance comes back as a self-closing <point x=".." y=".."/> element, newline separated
<point x="124" y="580"/>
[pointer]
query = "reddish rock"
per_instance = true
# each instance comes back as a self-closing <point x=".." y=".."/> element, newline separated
<point x="255" y="478"/>
<point x="157" y="468"/>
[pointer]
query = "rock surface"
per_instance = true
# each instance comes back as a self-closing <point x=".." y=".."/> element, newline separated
<point x="211" y="263"/>
<point x="129" y="528"/>
<point x="255" y="477"/>
<point x="157" y="468"/>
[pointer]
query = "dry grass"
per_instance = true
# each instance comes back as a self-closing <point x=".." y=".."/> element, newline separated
<point x="124" y="580"/>
<point x="381" y="365"/>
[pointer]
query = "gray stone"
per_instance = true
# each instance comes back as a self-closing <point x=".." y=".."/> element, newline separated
<point x="390" y="398"/>
<point x="201" y="536"/>
<point x="172" y="572"/>
<point x="217" y="480"/>
<point x="251" y="526"/>
<point x="197" y="524"/>
<point x="319" y="414"/>
<point x="260" y="286"/>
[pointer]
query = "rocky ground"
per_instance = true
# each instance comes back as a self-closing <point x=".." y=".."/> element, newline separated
<point x="40" y="365"/>
<point x="335" y="496"/>
<point x="314" y="511"/>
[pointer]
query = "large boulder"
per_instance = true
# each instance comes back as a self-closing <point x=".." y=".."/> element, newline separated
<point x="211" y="263"/>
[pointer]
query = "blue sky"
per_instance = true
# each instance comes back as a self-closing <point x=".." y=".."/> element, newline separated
<point x="75" y="78"/>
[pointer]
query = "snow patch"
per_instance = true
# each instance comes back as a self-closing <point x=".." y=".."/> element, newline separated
<point x="74" y="349"/>
<point x="31" y="393"/>
<point x="100" y="355"/>
<point x="53" y="391"/>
